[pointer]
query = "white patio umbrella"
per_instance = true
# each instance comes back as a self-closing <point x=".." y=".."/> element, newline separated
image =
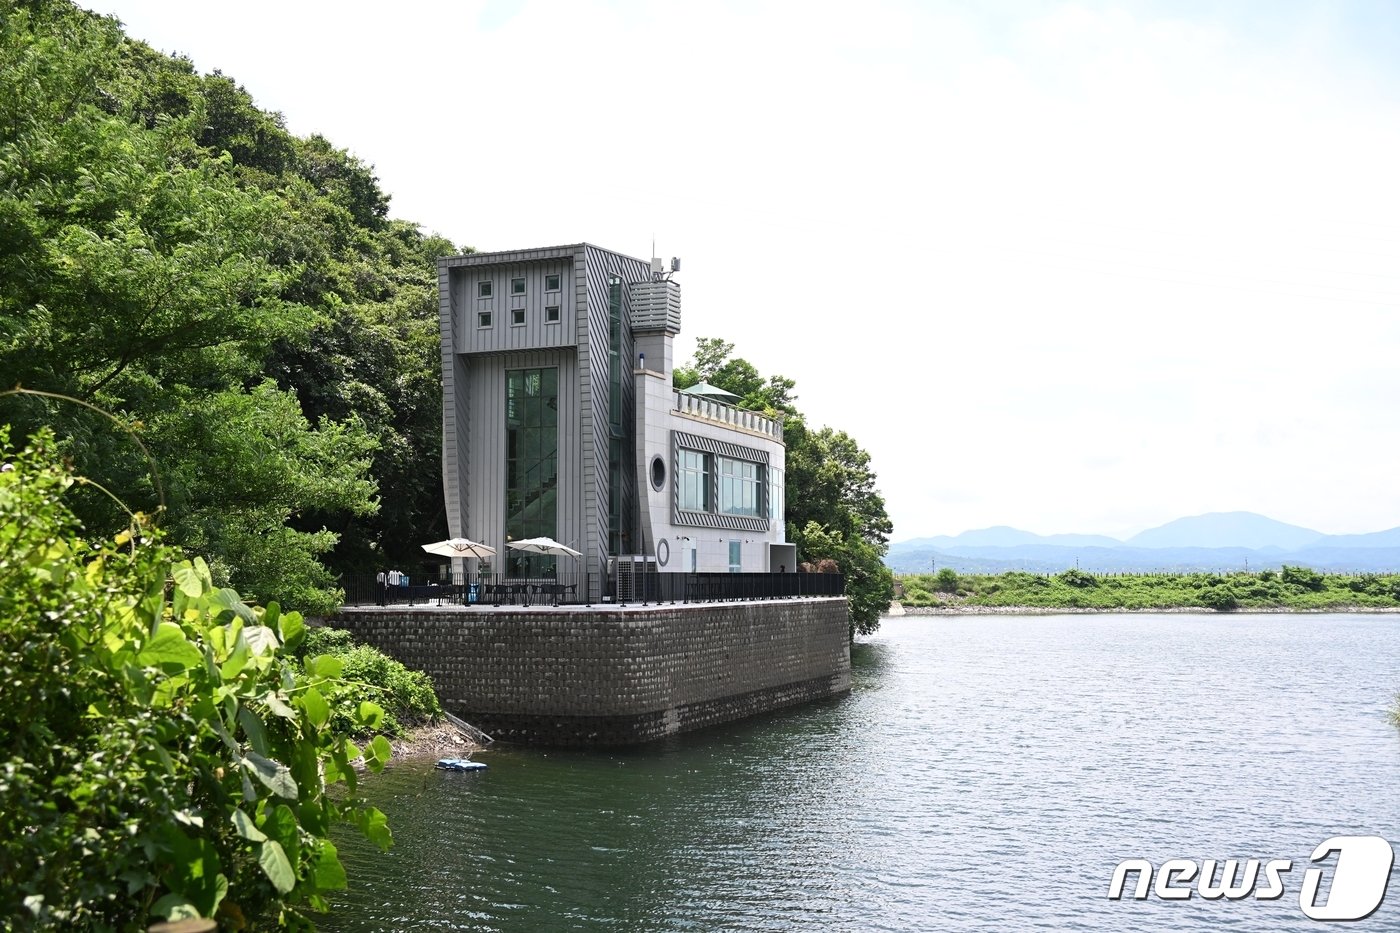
<point x="459" y="547"/>
<point x="543" y="546"/>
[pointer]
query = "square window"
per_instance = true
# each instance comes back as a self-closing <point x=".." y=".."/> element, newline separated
<point x="517" y="317"/>
<point x="517" y="286"/>
<point x="483" y="319"/>
<point x="551" y="283"/>
<point x="483" y="289"/>
<point x="551" y="314"/>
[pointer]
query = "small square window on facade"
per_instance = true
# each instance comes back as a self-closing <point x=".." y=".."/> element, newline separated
<point x="517" y="317"/>
<point x="517" y="286"/>
<point x="483" y="289"/>
<point x="483" y="319"/>
<point x="551" y="283"/>
<point x="551" y="314"/>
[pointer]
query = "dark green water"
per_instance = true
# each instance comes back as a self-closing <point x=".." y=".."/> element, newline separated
<point x="985" y="773"/>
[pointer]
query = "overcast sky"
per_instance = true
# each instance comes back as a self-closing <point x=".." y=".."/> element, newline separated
<point x="1073" y="267"/>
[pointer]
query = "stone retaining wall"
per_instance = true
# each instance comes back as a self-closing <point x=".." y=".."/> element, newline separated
<point x="608" y="676"/>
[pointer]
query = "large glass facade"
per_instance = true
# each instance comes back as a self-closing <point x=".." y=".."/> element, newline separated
<point x="532" y="464"/>
<point x="740" y="484"/>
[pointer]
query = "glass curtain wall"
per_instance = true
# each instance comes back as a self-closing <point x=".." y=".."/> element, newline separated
<point x="532" y="466"/>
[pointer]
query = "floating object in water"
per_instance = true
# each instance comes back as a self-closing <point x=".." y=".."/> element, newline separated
<point x="460" y="764"/>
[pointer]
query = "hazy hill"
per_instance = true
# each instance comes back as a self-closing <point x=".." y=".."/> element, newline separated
<point x="1226" y="529"/>
<point x="1216" y="541"/>
<point x="1388" y="538"/>
<point x="1006" y="536"/>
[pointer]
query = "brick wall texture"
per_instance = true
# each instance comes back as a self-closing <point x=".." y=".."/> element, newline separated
<point x="615" y="677"/>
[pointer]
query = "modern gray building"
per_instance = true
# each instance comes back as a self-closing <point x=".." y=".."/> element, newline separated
<point x="559" y="420"/>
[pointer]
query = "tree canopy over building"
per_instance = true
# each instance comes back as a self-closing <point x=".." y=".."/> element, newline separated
<point x="833" y="509"/>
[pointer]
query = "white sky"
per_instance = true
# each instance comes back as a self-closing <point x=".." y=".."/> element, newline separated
<point x="1072" y="267"/>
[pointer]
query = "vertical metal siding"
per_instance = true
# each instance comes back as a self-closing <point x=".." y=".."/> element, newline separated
<point x="455" y="426"/>
<point x="598" y="266"/>
<point x="474" y="387"/>
<point x="503" y="336"/>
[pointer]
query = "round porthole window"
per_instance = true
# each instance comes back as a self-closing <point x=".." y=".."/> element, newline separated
<point x="658" y="473"/>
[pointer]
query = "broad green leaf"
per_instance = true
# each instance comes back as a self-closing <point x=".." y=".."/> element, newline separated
<point x="325" y="665"/>
<point x="261" y="639"/>
<point x="237" y="660"/>
<point x="275" y="865"/>
<point x="369" y="715"/>
<point x="201" y="570"/>
<point x="179" y="604"/>
<point x="273" y="774"/>
<point x="291" y="627"/>
<point x="379" y="753"/>
<point x="228" y="599"/>
<point x="317" y="710"/>
<point x="246" y="827"/>
<point x="170" y="646"/>
<point x="375" y="825"/>
<point x="270" y="614"/>
<point x="326" y="870"/>
<point x="187" y="580"/>
<point x="281" y="826"/>
<point x="254" y="729"/>
<point x="174" y="907"/>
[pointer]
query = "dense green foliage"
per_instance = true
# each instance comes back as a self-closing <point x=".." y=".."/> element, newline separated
<point x="406" y="696"/>
<point x="1291" y="588"/>
<point x="165" y="753"/>
<point x="833" y="510"/>
<point x="238" y="295"/>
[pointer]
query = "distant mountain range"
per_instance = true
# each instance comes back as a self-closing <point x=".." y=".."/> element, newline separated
<point x="1214" y="541"/>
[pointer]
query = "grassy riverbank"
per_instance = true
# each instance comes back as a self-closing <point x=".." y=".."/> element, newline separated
<point x="1291" y="589"/>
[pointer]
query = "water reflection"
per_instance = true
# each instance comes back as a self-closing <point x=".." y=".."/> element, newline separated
<point x="983" y="773"/>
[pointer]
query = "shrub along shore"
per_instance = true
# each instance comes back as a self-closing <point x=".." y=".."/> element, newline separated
<point x="1292" y="589"/>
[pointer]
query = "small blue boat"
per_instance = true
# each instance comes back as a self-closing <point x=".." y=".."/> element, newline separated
<point x="460" y="764"/>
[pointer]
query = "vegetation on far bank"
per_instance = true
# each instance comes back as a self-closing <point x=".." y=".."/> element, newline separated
<point x="1289" y="588"/>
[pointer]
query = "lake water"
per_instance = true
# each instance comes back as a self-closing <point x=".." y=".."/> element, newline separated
<point x="985" y="773"/>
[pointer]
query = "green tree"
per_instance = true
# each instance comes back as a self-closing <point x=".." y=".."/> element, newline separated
<point x="165" y="248"/>
<point x="833" y="508"/>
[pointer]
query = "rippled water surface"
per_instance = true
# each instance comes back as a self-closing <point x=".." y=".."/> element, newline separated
<point x="984" y="773"/>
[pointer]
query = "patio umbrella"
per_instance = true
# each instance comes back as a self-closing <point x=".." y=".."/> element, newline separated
<point x="542" y="546"/>
<point x="459" y="547"/>
<point x="705" y="390"/>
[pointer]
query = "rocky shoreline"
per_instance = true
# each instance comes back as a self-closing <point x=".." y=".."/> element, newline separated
<point x="436" y="740"/>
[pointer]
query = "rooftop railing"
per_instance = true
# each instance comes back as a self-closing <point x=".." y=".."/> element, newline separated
<point x="712" y="410"/>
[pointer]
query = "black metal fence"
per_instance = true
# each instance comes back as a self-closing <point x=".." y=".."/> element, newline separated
<point x="460" y="590"/>
<point x="655" y="587"/>
<point x="584" y="589"/>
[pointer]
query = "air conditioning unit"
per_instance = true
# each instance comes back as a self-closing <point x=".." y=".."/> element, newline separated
<point x="630" y="572"/>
